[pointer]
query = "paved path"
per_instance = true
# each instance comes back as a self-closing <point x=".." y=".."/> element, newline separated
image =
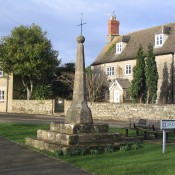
<point x="47" y="119"/>
<point x="30" y="118"/>
<point x="18" y="160"/>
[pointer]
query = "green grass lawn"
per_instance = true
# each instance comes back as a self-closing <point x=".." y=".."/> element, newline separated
<point x="18" y="132"/>
<point x="147" y="160"/>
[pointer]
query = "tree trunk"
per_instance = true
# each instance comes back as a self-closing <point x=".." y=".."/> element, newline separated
<point x="147" y="97"/>
<point x="29" y="87"/>
<point x="28" y="94"/>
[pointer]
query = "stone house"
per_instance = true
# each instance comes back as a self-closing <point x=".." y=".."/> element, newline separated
<point x="6" y="92"/>
<point x="118" y="58"/>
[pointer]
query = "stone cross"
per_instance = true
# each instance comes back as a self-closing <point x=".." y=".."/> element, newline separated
<point x="81" y="24"/>
<point x="79" y="112"/>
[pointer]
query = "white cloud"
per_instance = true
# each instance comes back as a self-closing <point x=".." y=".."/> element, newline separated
<point x="68" y="8"/>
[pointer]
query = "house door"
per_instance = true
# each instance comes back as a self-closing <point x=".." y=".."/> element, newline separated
<point x="116" y="96"/>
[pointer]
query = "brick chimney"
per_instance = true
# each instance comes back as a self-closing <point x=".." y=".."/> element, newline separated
<point x="113" y="28"/>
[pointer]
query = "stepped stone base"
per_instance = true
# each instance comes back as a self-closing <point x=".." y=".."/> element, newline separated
<point x="67" y="137"/>
<point x="78" y="128"/>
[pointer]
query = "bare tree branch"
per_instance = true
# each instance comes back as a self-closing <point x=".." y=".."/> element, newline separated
<point x="95" y="82"/>
<point x="67" y="78"/>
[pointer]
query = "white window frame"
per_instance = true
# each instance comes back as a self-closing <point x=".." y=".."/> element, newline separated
<point x="2" y="94"/>
<point x="128" y="69"/>
<point x="1" y="73"/>
<point x="110" y="71"/>
<point x="119" y="47"/>
<point x="158" y="40"/>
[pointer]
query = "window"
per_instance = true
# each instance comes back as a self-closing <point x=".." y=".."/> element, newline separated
<point x="1" y="73"/>
<point x="110" y="71"/>
<point x="119" y="47"/>
<point x="128" y="69"/>
<point x="159" y="40"/>
<point x="1" y="95"/>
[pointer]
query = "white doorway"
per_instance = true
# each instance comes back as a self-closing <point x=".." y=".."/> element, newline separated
<point x="116" y="96"/>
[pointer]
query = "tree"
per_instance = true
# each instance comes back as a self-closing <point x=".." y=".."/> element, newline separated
<point x="96" y="84"/>
<point x="138" y="84"/>
<point x="151" y="76"/>
<point x="29" y="53"/>
<point x="64" y="80"/>
<point x="42" y="92"/>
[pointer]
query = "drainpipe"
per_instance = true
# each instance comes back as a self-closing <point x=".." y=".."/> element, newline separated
<point x="7" y="96"/>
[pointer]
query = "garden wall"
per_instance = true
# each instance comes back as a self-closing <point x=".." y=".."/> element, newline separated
<point x="101" y="111"/>
<point x="33" y="106"/>
<point x="129" y="112"/>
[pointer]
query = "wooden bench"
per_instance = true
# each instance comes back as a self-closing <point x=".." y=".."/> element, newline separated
<point x="126" y="129"/>
<point x="141" y="125"/>
<point x="158" y="131"/>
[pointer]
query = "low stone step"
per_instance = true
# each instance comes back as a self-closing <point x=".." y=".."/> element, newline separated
<point x="98" y="138"/>
<point x="41" y="144"/>
<point x="58" y="138"/>
<point x="52" y="147"/>
<point x="78" y="128"/>
<point x="78" y="139"/>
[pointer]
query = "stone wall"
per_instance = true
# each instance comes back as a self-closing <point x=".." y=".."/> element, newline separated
<point x="33" y="106"/>
<point x="129" y="112"/>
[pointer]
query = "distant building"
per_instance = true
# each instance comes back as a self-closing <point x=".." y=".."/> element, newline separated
<point x="6" y="92"/>
<point x="118" y="58"/>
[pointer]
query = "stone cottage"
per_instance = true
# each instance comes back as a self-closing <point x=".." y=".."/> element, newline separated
<point x="118" y="58"/>
<point x="6" y="92"/>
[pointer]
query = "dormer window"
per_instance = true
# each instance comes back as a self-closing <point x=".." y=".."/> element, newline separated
<point x="158" y="40"/>
<point x="162" y="37"/>
<point x="1" y="73"/>
<point x="119" y="47"/>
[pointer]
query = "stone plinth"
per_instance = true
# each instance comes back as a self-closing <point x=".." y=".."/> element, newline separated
<point x="79" y="113"/>
<point x="65" y="137"/>
<point x="78" y="128"/>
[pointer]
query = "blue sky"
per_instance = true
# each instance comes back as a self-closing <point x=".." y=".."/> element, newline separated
<point x="61" y="17"/>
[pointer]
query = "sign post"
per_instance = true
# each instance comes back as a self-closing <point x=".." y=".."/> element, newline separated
<point x="164" y="125"/>
<point x="164" y="141"/>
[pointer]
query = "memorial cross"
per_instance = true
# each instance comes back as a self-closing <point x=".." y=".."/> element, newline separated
<point x="81" y="24"/>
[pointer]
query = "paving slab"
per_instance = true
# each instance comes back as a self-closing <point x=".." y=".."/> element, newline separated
<point x="16" y="159"/>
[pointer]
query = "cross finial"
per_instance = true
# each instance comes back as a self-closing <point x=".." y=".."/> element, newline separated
<point x="81" y="24"/>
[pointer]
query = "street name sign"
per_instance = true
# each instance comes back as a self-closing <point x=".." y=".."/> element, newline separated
<point x="166" y="125"/>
